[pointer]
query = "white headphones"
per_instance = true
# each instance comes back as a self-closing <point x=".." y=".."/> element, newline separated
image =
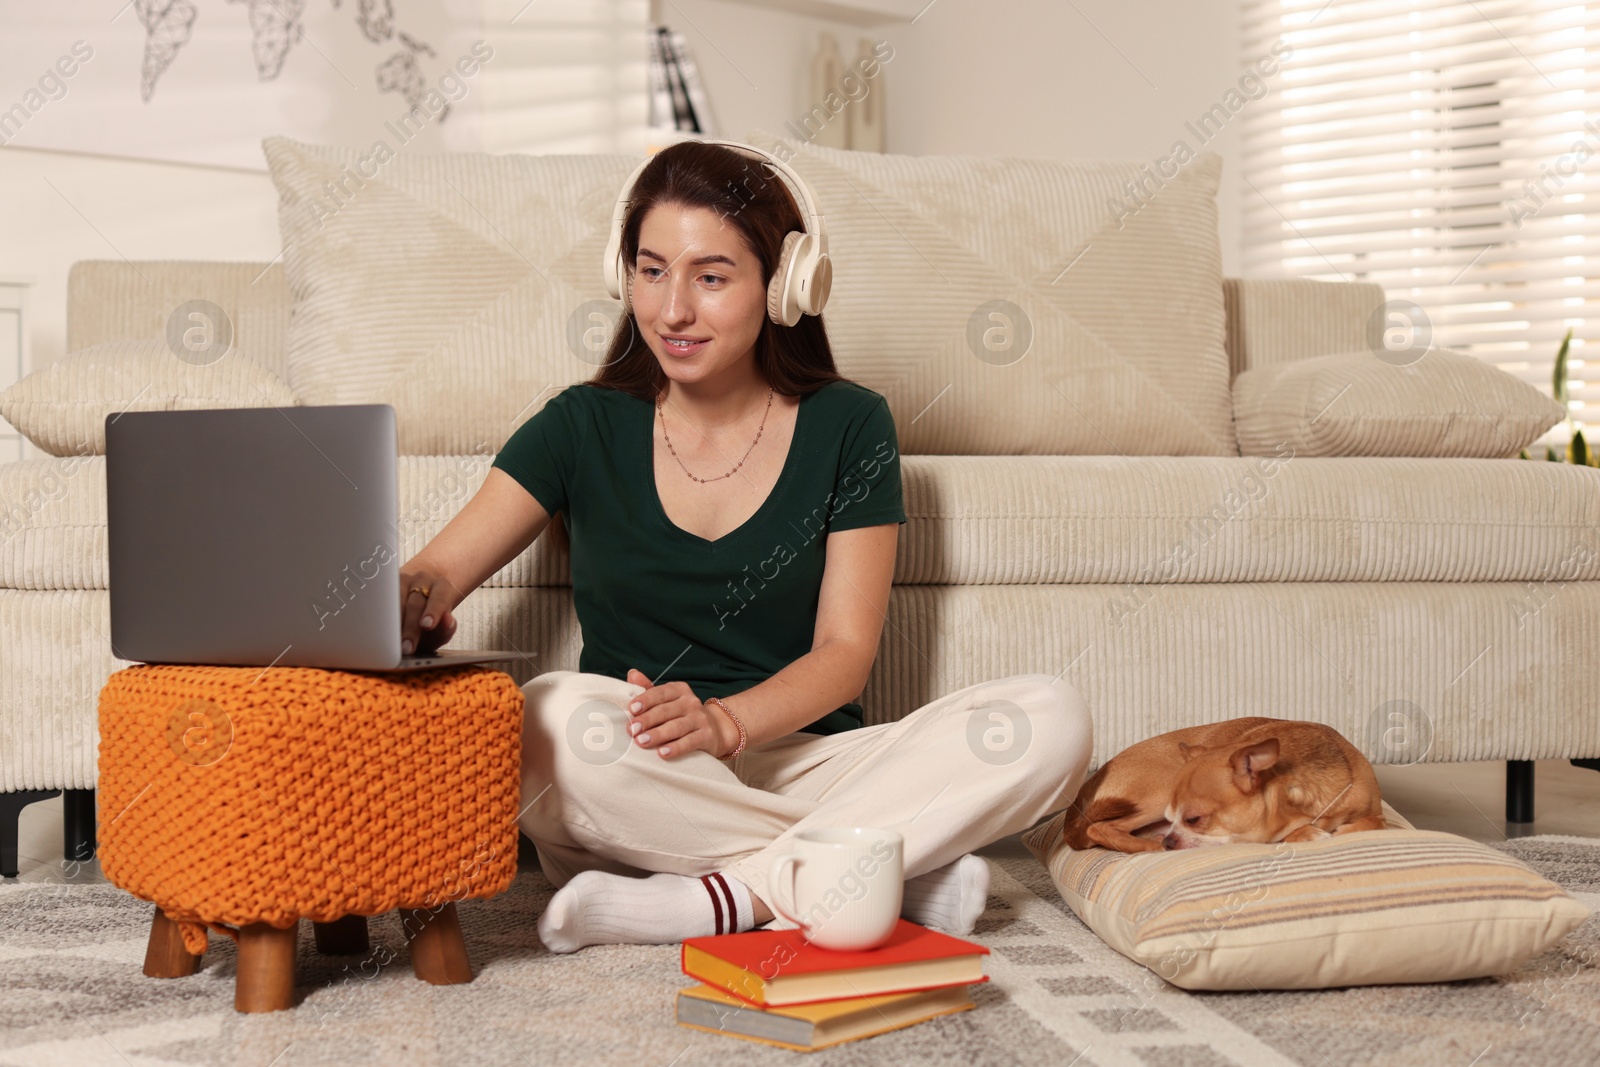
<point x="804" y="275"/>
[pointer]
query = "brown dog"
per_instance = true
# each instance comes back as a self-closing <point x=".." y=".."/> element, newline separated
<point x="1250" y="779"/>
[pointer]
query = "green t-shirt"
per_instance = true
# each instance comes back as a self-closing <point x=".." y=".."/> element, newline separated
<point x="721" y="615"/>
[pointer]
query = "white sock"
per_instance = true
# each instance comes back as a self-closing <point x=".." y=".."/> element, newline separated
<point x="951" y="898"/>
<point x="600" y="908"/>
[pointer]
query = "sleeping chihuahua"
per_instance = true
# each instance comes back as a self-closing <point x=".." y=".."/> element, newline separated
<point x="1249" y="779"/>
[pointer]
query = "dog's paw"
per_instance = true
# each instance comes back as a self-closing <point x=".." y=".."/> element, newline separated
<point x="1308" y="832"/>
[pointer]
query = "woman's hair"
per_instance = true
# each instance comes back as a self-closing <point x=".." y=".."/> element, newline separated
<point x="794" y="360"/>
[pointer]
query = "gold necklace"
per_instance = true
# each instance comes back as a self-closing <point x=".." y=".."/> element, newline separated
<point x="661" y="411"/>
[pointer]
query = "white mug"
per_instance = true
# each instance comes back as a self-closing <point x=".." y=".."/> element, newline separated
<point x="844" y="891"/>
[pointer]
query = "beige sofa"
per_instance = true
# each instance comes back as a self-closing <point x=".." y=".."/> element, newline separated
<point x="1430" y="609"/>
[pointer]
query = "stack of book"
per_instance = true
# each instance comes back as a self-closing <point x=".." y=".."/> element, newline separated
<point x="677" y="99"/>
<point x="775" y="987"/>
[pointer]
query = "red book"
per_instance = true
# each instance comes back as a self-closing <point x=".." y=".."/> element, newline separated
<point x="775" y="967"/>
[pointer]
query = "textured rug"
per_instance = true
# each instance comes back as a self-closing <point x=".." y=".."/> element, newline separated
<point x="71" y="993"/>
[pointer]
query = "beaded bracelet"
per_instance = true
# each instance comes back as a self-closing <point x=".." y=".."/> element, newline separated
<point x="737" y="722"/>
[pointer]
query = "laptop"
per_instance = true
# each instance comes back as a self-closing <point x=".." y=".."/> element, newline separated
<point x="259" y="537"/>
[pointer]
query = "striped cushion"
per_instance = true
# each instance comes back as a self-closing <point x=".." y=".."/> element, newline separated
<point x="1370" y="908"/>
<point x="1447" y="403"/>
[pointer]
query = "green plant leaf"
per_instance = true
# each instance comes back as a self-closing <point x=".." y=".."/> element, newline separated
<point x="1559" y="381"/>
<point x="1578" y="450"/>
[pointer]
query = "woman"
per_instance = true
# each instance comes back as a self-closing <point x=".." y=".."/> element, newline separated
<point x="732" y="506"/>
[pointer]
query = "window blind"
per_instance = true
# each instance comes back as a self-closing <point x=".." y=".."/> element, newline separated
<point x="1439" y="149"/>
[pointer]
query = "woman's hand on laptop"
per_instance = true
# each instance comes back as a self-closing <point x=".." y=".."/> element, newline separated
<point x="431" y="640"/>
<point x="425" y="601"/>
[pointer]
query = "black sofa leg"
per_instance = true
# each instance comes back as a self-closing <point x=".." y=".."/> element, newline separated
<point x="1519" y="790"/>
<point x="1592" y="764"/>
<point x="77" y="824"/>
<point x="11" y="805"/>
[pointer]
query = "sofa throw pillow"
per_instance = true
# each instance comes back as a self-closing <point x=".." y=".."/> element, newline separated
<point x="1447" y="403"/>
<point x="62" y="407"/>
<point x="1369" y="908"/>
<point x="458" y="288"/>
<point x="1027" y="306"/>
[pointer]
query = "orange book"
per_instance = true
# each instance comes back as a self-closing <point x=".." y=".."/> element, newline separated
<point x="808" y="1027"/>
<point x="768" y="968"/>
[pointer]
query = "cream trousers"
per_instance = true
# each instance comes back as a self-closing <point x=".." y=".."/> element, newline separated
<point x="951" y="777"/>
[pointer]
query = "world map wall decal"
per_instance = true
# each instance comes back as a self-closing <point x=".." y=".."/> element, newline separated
<point x="275" y="27"/>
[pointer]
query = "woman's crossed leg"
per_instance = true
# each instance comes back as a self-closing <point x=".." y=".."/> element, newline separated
<point x="952" y="776"/>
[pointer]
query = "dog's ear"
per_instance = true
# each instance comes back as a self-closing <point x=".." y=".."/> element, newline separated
<point x="1189" y="751"/>
<point x="1249" y="761"/>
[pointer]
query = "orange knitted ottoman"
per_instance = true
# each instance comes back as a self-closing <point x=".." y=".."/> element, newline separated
<point x="244" y="800"/>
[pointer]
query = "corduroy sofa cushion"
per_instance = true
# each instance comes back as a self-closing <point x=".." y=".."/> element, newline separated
<point x="1019" y="520"/>
<point x="1003" y="306"/>
<point x="62" y="407"/>
<point x="1027" y="306"/>
<point x="1446" y="403"/>
<point x="442" y="284"/>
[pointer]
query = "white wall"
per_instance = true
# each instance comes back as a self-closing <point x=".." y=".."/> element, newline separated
<point x="58" y="207"/>
<point x="1006" y="77"/>
<point x="1000" y="77"/>
<point x="79" y="72"/>
<point x="132" y="199"/>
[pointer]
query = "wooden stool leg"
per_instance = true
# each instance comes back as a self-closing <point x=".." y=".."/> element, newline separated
<point x="342" y="937"/>
<point x="266" y="968"/>
<point x="164" y="955"/>
<point x="438" y="955"/>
